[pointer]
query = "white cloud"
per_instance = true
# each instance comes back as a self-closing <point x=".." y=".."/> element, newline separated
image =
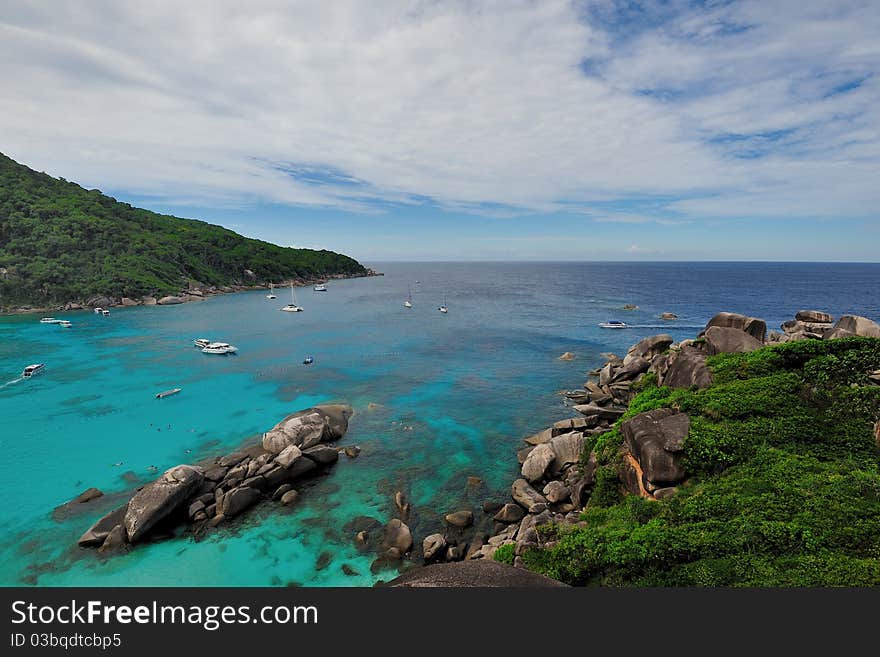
<point x="464" y="103"/>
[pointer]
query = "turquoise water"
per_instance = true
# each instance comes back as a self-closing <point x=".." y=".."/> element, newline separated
<point x="438" y="398"/>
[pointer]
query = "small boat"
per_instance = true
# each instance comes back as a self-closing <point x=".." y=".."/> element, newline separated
<point x="167" y="393"/>
<point x="308" y="360"/>
<point x="292" y="307"/>
<point x="444" y="308"/>
<point x="50" y="320"/>
<point x="408" y="302"/>
<point x="271" y="294"/>
<point x="98" y="311"/>
<point x="220" y="348"/>
<point x="105" y="313"/>
<point x="201" y="343"/>
<point x="320" y="287"/>
<point x="613" y="324"/>
<point x="30" y="370"/>
<point x="65" y="324"/>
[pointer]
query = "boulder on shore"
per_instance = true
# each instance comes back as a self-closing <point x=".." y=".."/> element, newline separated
<point x="238" y="500"/>
<point x="814" y="316"/>
<point x="97" y="533"/>
<point x="687" y="369"/>
<point x="525" y="495"/>
<point x="538" y="462"/>
<point x="169" y="301"/>
<point x="397" y="536"/>
<point x="159" y="498"/>
<point x="857" y="325"/>
<point x="464" y="518"/>
<point x="728" y="340"/>
<point x="433" y="545"/>
<point x="651" y="346"/>
<point x="755" y="327"/>
<point x="655" y="439"/>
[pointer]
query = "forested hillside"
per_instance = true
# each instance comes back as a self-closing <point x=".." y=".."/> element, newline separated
<point x="60" y="242"/>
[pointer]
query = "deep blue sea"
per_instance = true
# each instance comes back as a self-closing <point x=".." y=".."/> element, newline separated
<point x="438" y="398"/>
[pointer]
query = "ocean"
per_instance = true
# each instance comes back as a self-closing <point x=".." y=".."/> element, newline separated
<point x="438" y="399"/>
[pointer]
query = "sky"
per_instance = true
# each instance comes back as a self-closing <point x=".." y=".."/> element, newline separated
<point x="466" y="130"/>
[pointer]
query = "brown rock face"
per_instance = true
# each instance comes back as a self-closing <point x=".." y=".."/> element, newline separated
<point x="814" y="316"/>
<point x="688" y="369"/>
<point x="655" y="440"/>
<point x="726" y="340"/>
<point x="757" y="328"/>
<point x="159" y="498"/>
<point x="858" y="325"/>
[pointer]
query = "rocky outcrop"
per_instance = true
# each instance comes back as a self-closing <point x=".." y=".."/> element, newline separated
<point x="433" y="546"/>
<point x="397" y="536"/>
<point x="538" y="462"/>
<point x="656" y="439"/>
<point x="814" y="317"/>
<point x="687" y="368"/>
<point x="850" y="325"/>
<point x="170" y="300"/>
<point x="307" y="428"/>
<point x="727" y="340"/>
<point x="526" y="496"/>
<point x="668" y="316"/>
<point x="160" y="498"/>
<point x="757" y="328"/>
<point x="216" y="491"/>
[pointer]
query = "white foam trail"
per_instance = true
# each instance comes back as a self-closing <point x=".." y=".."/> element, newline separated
<point x="9" y="383"/>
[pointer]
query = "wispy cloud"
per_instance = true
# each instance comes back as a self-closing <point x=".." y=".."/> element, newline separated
<point x="745" y="109"/>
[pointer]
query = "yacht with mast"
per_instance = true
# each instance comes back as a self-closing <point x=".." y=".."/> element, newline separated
<point x="292" y="307"/>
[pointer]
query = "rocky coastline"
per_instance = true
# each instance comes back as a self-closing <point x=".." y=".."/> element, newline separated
<point x="558" y="474"/>
<point x="194" y="292"/>
<point x="196" y="498"/>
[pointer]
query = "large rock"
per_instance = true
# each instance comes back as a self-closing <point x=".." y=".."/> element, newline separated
<point x="604" y="412"/>
<point x="97" y="533"/>
<point x="632" y="367"/>
<point x="463" y="518"/>
<point x="727" y="340"/>
<point x="538" y="462"/>
<point x="238" y="500"/>
<point x="567" y="449"/>
<point x="301" y="430"/>
<point x="556" y="491"/>
<point x="288" y="455"/>
<point x="655" y="439"/>
<point x="398" y="536"/>
<point x="129" y="302"/>
<point x="688" y="369"/>
<point x="169" y="301"/>
<point x="857" y="325"/>
<point x="159" y="498"/>
<point x="336" y="417"/>
<point x="322" y="454"/>
<point x="525" y="495"/>
<point x="814" y="316"/>
<point x="510" y="513"/>
<point x="757" y="328"/>
<point x="433" y="545"/>
<point x="651" y="346"/>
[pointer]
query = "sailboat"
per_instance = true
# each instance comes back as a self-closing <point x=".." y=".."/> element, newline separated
<point x="271" y="294"/>
<point x="408" y="302"/>
<point x="292" y="307"/>
<point x="444" y="308"/>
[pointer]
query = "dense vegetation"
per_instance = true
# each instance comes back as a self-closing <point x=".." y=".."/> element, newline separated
<point x="60" y="242"/>
<point x="783" y="483"/>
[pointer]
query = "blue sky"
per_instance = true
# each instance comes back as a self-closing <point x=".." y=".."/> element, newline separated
<point x="470" y="129"/>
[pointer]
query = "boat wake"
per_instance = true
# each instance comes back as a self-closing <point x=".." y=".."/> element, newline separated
<point x="9" y="383"/>
<point x="665" y="326"/>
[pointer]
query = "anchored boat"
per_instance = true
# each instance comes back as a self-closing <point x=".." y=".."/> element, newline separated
<point x="167" y="393"/>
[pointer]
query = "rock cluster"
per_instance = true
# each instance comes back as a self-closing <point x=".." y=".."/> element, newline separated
<point x="557" y="476"/>
<point x="204" y="495"/>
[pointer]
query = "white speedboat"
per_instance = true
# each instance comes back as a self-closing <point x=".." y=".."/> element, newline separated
<point x="292" y="307"/>
<point x="50" y="320"/>
<point x="201" y="343"/>
<point x="220" y="348"/>
<point x="320" y="287"/>
<point x="30" y="370"/>
<point x="65" y="324"/>
<point x="105" y="313"/>
<point x="98" y="311"/>
<point x="613" y="324"/>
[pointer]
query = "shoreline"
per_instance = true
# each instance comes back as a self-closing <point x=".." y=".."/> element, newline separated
<point x="563" y="466"/>
<point x="189" y="295"/>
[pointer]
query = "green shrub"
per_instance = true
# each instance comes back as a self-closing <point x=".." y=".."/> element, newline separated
<point x="504" y="553"/>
